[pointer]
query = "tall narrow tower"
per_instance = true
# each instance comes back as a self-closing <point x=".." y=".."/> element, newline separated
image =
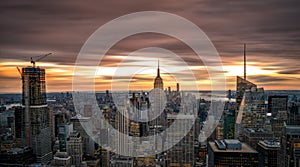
<point x="158" y="82"/>
<point x="37" y="115"/>
<point x="245" y="61"/>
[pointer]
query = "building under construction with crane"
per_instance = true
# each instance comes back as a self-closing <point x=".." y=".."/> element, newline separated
<point x="36" y="131"/>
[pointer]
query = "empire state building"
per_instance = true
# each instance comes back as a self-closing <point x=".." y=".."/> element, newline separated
<point x="158" y="82"/>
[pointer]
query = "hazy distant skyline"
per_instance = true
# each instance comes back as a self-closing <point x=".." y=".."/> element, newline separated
<point x="270" y="28"/>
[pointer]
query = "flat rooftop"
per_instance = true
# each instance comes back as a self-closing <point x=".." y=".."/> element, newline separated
<point x="245" y="148"/>
<point x="269" y="144"/>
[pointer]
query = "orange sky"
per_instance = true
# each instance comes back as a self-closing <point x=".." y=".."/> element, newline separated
<point x="59" y="77"/>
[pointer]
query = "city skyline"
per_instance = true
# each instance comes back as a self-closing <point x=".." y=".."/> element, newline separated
<point x="272" y="40"/>
<point x="159" y="83"/>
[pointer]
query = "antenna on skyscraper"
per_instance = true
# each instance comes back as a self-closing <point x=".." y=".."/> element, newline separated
<point x="245" y="61"/>
<point x="158" y="71"/>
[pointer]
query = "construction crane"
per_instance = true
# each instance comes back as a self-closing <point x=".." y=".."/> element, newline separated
<point x="19" y="71"/>
<point x="38" y="59"/>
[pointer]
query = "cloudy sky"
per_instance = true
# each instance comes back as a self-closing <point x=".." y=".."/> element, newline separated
<point x="271" y="29"/>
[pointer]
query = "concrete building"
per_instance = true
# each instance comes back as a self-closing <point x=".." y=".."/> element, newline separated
<point x="74" y="148"/>
<point x="253" y="136"/>
<point x="182" y="153"/>
<point x="290" y="146"/>
<point x="88" y="142"/>
<point x="61" y="159"/>
<point x="121" y="161"/>
<point x="231" y="152"/>
<point x="17" y="157"/>
<point x="19" y="123"/>
<point x="64" y="132"/>
<point x="268" y="152"/>
<point x="277" y="103"/>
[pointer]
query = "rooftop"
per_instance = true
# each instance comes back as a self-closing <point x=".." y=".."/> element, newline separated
<point x="268" y="144"/>
<point x="292" y="129"/>
<point x="245" y="148"/>
<point x="227" y="141"/>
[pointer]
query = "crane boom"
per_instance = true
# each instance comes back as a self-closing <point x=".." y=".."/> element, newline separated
<point x="38" y="59"/>
<point x="19" y="71"/>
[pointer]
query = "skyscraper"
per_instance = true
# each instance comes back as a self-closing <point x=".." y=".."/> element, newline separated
<point x="158" y="82"/>
<point x="74" y="148"/>
<point x="241" y="86"/>
<point x="290" y="146"/>
<point x="251" y="112"/>
<point x="276" y="104"/>
<point x="64" y="131"/>
<point x="37" y="116"/>
<point x="19" y="123"/>
<point x="182" y="153"/>
<point x="268" y="153"/>
<point x="88" y="144"/>
<point x="158" y="103"/>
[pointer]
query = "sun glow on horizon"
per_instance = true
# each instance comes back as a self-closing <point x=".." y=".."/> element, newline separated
<point x="59" y="77"/>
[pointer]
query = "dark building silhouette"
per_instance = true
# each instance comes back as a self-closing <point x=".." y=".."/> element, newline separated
<point x="19" y="122"/>
<point x="17" y="157"/>
<point x="241" y="86"/>
<point x="290" y="146"/>
<point x="277" y="103"/>
<point x="158" y="81"/>
<point x="268" y="152"/>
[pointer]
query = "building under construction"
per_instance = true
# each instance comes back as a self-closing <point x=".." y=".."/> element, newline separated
<point x="36" y="116"/>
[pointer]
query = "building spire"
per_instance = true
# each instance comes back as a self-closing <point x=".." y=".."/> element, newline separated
<point x="245" y="61"/>
<point x="158" y="72"/>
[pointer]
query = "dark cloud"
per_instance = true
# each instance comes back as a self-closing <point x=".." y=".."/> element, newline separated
<point x="297" y="71"/>
<point x="62" y="27"/>
<point x="267" y="79"/>
<point x="270" y="28"/>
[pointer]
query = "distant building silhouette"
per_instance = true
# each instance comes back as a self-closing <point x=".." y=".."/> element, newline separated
<point x="158" y="82"/>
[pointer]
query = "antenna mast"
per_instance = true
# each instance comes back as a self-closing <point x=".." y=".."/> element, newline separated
<point x="245" y="61"/>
